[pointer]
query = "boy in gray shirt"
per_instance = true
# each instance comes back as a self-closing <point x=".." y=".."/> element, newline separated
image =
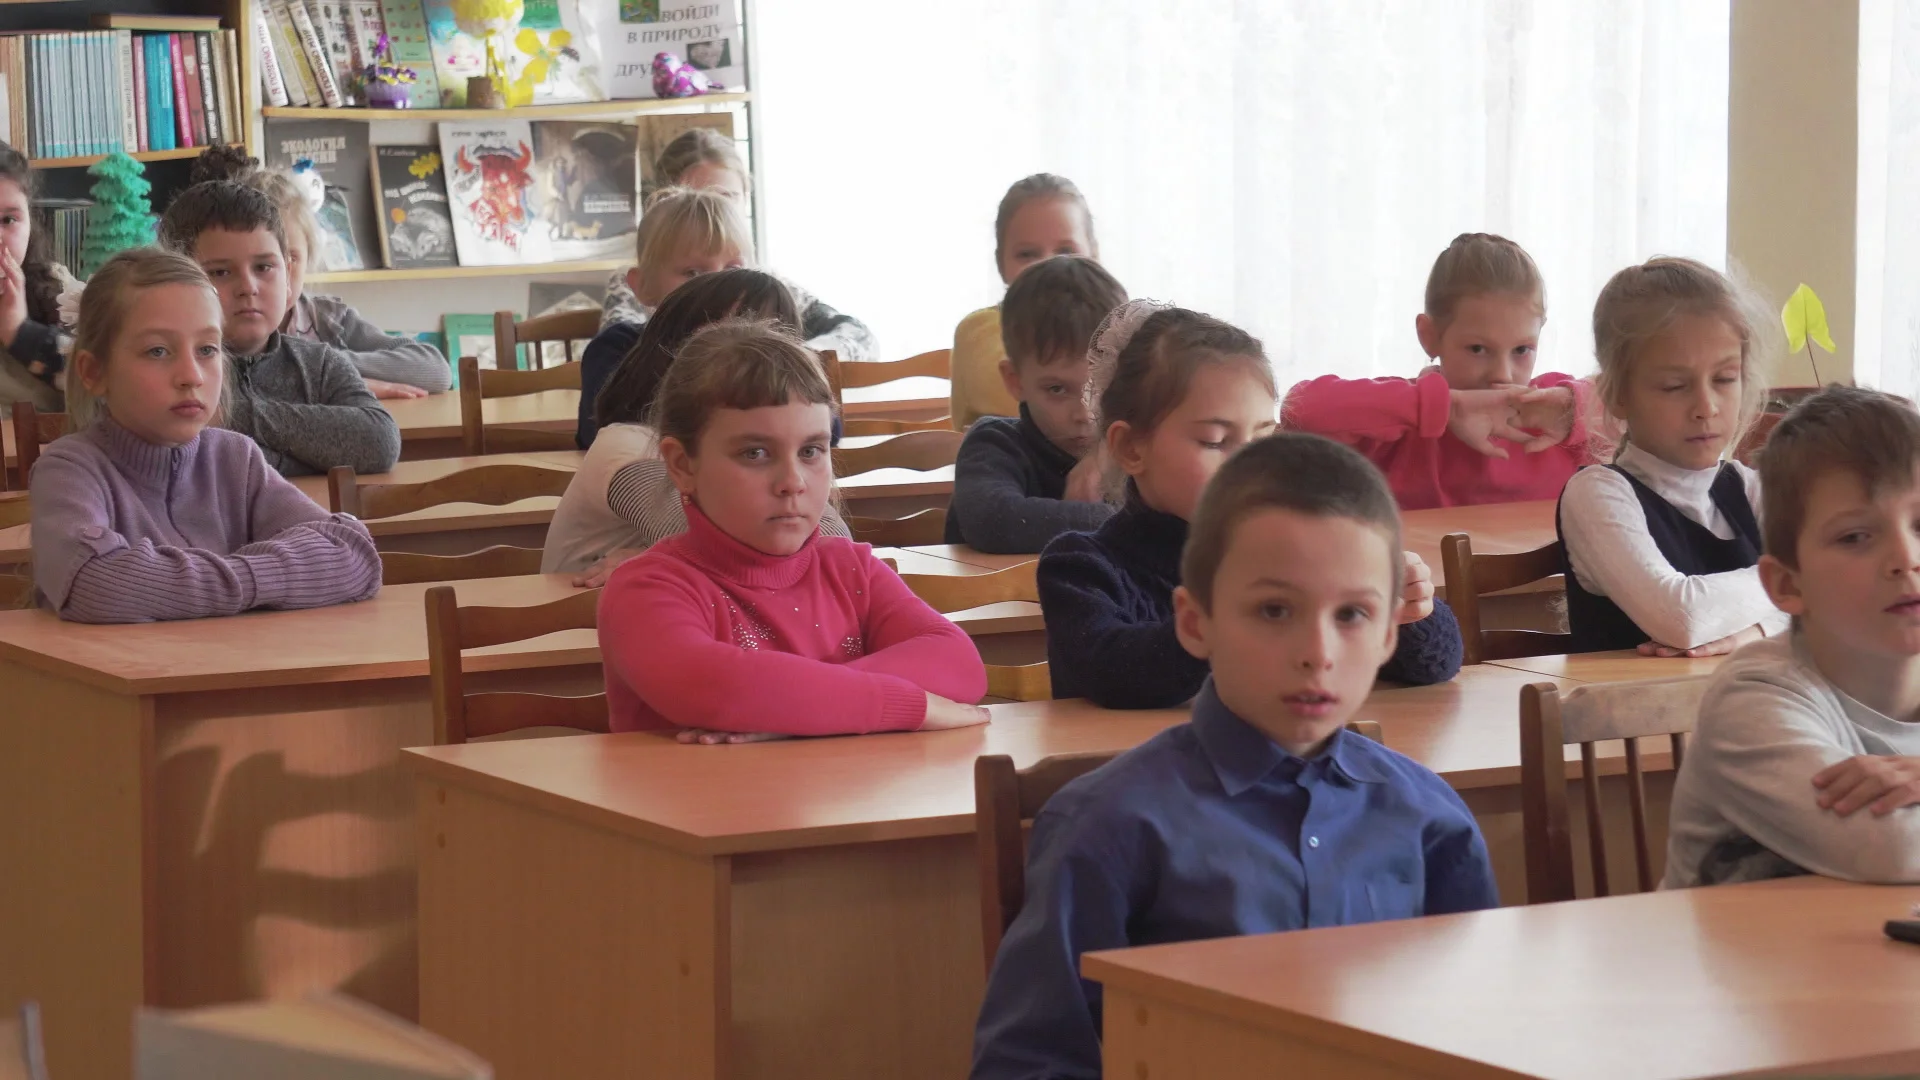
<point x="302" y="401"/>
<point x="1806" y="758"/>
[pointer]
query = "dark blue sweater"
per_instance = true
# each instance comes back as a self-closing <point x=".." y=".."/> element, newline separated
<point x="1107" y="597"/>
<point x="1007" y="483"/>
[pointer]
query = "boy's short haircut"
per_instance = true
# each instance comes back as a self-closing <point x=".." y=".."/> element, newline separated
<point x="1871" y="435"/>
<point x="1289" y="470"/>
<point x="219" y="204"/>
<point x="1053" y="307"/>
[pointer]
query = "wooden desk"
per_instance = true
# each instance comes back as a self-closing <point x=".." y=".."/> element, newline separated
<point x="961" y="553"/>
<point x="1625" y="665"/>
<point x="430" y="426"/>
<point x="457" y="528"/>
<point x="1775" y="975"/>
<point x="794" y="909"/>
<point x="206" y="811"/>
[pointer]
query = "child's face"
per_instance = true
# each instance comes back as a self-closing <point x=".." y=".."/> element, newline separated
<point x="16" y="224"/>
<point x="1055" y="395"/>
<point x="1041" y="229"/>
<point x="250" y="274"/>
<point x="161" y="379"/>
<point x="686" y="264"/>
<point x="1490" y="342"/>
<point x="1681" y="398"/>
<point x="1858" y="586"/>
<point x="761" y="475"/>
<point x="1226" y="407"/>
<point x="715" y="177"/>
<point x="1302" y="619"/>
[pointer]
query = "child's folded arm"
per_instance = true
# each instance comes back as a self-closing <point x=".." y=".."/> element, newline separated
<point x="658" y="633"/>
<point x="1760" y="740"/>
<point x="1459" y="869"/>
<point x="996" y="514"/>
<point x="347" y="427"/>
<point x="380" y="355"/>
<point x="908" y="639"/>
<point x="1101" y="651"/>
<point x="1612" y="553"/>
<point x="1381" y="410"/>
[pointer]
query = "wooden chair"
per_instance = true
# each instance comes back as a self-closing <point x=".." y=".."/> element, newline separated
<point x="1004" y="799"/>
<point x="477" y="386"/>
<point x="1550" y="721"/>
<point x="16" y="585"/>
<point x="937" y="364"/>
<point x="452" y="629"/>
<point x="570" y="328"/>
<point x="32" y="429"/>
<point x="921" y="527"/>
<point x="1748" y="453"/>
<point x="947" y="593"/>
<point x="919" y="450"/>
<point x="500" y="560"/>
<point x="16" y="508"/>
<point x="1469" y="577"/>
<point x="488" y="485"/>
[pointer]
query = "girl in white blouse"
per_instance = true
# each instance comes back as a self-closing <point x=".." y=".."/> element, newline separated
<point x="1661" y="544"/>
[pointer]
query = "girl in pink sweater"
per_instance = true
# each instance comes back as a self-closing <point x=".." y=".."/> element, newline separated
<point x="752" y="625"/>
<point x="1477" y="427"/>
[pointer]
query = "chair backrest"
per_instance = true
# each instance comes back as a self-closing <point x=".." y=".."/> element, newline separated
<point x="570" y="328"/>
<point x="16" y="508"/>
<point x="921" y="527"/>
<point x="451" y="629"/>
<point x="477" y="386"/>
<point x="948" y="593"/>
<point x="1550" y="721"/>
<point x="858" y="374"/>
<point x="920" y="450"/>
<point x="1469" y="577"/>
<point x="32" y="429"/>
<point x="1004" y="799"/>
<point x="1748" y="452"/>
<point x="489" y="485"/>
<point x="500" y="560"/>
<point x="866" y="425"/>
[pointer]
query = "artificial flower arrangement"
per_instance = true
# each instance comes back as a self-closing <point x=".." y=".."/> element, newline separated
<point x="388" y="85"/>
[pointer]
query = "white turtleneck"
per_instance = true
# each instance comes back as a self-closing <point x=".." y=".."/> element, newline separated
<point x="1613" y="555"/>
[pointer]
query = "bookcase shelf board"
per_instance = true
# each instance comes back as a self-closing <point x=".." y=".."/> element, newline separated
<point x="436" y="273"/>
<point x="578" y="110"/>
<point x="144" y="155"/>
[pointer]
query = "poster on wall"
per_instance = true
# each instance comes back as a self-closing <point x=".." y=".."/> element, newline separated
<point x="632" y="32"/>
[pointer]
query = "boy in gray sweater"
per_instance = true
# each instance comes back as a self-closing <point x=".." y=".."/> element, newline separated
<point x="1806" y="758"/>
<point x="302" y="401"/>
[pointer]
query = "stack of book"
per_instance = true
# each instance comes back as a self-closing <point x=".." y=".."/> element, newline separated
<point x="65" y="222"/>
<point x="312" y="52"/>
<point x="126" y="86"/>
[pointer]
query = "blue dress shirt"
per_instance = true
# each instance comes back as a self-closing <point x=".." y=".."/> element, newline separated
<point x="1211" y="830"/>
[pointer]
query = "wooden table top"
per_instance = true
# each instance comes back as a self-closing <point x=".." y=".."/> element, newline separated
<point x="1625" y="665"/>
<point x="961" y="553"/>
<point x="1697" y="982"/>
<point x="437" y="416"/>
<point x="381" y="638"/>
<point x="805" y="792"/>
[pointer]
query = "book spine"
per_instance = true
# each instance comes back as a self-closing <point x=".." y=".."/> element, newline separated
<point x="17" y="85"/>
<point x="222" y="79"/>
<point x="203" y="48"/>
<point x="273" y="84"/>
<point x="89" y="128"/>
<point x="62" y="54"/>
<point x="329" y="22"/>
<point x="182" y="116"/>
<point x="316" y="52"/>
<point x="136" y="50"/>
<point x="229" y="40"/>
<point x="6" y="92"/>
<point x="123" y="63"/>
<point x="293" y="58"/>
<point x="160" y="73"/>
<point x="100" y="119"/>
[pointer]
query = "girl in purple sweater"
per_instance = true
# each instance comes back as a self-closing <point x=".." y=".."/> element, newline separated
<point x="147" y="513"/>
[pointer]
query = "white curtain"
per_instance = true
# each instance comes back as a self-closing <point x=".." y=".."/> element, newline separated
<point x="1887" y="330"/>
<point x="1291" y="165"/>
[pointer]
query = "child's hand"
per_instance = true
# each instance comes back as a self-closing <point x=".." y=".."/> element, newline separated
<point x="384" y="389"/>
<point x="1549" y="411"/>
<point x="1887" y="782"/>
<point x="13" y="297"/>
<point x="1712" y="648"/>
<point x="1477" y="417"/>
<point x="703" y="737"/>
<point x="1416" y="596"/>
<point x="596" y="575"/>
<point x="943" y="714"/>
<point x="1084" y="482"/>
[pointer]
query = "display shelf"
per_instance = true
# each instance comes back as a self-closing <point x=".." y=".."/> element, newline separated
<point x="88" y="159"/>
<point x="576" y="110"/>
<point x="438" y="273"/>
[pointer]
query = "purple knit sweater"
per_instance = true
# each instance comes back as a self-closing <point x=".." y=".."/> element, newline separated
<point x="127" y="531"/>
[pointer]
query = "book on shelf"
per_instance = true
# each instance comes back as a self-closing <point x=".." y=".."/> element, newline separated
<point x="188" y="23"/>
<point x="457" y="55"/>
<point x="273" y="84"/>
<point x="203" y="133"/>
<point x="322" y="1037"/>
<point x="490" y="186"/>
<point x="632" y="32"/>
<point x="405" y="22"/>
<point x="329" y="19"/>
<point x="553" y="58"/>
<point x="339" y="153"/>
<point x="294" y="66"/>
<point x="654" y="131"/>
<point x="585" y="173"/>
<point x="86" y="93"/>
<point x="472" y="335"/>
<point x="315" y="52"/>
<point x="416" y="223"/>
<point x="64" y="222"/>
<point x="364" y="27"/>
<point x="182" y="102"/>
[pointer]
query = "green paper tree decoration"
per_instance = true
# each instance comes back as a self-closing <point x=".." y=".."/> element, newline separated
<point x="122" y="217"/>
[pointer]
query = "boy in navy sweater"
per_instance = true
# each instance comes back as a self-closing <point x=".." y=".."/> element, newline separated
<point x="1019" y="483"/>
<point x="1262" y="814"/>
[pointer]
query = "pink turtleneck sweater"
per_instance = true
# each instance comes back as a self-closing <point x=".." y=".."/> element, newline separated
<point x="703" y="631"/>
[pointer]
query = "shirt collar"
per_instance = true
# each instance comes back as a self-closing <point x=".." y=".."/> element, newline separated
<point x="148" y="464"/>
<point x="1682" y="487"/>
<point x="1242" y="756"/>
<point x="721" y="555"/>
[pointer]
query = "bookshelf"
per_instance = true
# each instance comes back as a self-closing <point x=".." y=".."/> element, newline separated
<point x="449" y="273"/>
<point x="85" y="160"/>
<point x="585" y="110"/>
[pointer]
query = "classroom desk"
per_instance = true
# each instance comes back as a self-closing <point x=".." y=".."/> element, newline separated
<point x="1625" y="665"/>
<point x="961" y="553"/>
<point x="205" y="811"/>
<point x="596" y="906"/>
<point x="1780" y="975"/>
<point x="430" y="426"/>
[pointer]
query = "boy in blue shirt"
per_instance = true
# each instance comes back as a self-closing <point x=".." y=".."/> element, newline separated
<point x="1263" y="813"/>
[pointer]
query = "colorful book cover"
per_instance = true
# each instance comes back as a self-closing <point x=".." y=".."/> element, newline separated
<point x="330" y="22"/>
<point x="364" y="27"/>
<point x="139" y="50"/>
<point x="222" y="78"/>
<point x="196" y="90"/>
<point x="406" y="25"/>
<point x="490" y="185"/>
<point x="161" y="129"/>
<point x="656" y="130"/>
<point x="125" y="83"/>
<point x="286" y="48"/>
<point x="182" y="112"/>
<point x="203" y="51"/>
<point x="316" y="54"/>
<point x="457" y="55"/>
<point x="472" y="335"/>
<point x="632" y="32"/>
<point x="587" y="186"/>
<point x="339" y="152"/>
<point x="551" y="57"/>
<point x="416" y="222"/>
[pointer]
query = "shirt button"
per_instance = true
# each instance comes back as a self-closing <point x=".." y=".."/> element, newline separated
<point x="1313" y="841"/>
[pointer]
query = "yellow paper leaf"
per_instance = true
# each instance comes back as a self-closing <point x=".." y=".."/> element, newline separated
<point x="527" y="41"/>
<point x="1806" y="317"/>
